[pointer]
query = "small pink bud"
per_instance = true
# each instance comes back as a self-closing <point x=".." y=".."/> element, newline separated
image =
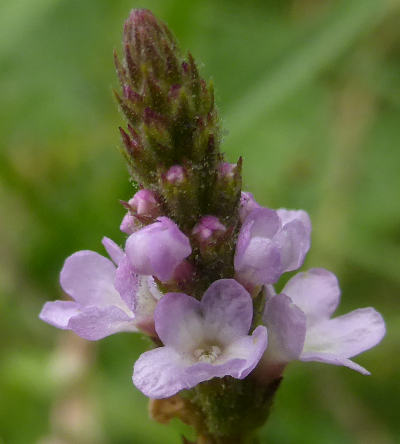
<point x="175" y="175"/>
<point x="144" y="203"/>
<point x="208" y="230"/>
<point x="227" y="170"/>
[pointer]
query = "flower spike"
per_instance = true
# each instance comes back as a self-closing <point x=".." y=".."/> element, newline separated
<point x="201" y="256"/>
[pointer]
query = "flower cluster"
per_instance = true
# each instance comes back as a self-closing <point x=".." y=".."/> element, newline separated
<point x="198" y="268"/>
<point x="213" y="337"/>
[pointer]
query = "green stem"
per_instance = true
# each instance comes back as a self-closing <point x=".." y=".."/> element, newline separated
<point x="232" y="410"/>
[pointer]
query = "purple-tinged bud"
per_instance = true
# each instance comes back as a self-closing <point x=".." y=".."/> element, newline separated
<point x="157" y="249"/>
<point x="208" y="230"/>
<point x="176" y="175"/>
<point x="227" y="170"/>
<point x="142" y="207"/>
<point x="170" y="107"/>
<point x="144" y="203"/>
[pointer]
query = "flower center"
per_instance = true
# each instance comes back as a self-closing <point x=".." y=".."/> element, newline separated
<point x="208" y="354"/>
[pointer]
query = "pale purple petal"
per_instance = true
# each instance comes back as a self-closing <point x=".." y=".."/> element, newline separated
<point x="294" y="242"/>
<point x="328" y="358"/>
<point x="161" y="373"/>
<point x="263" y="222"/>
<point x="91" y="323"/>
<point x="316" y="292"/>
<point x="140" y="293"/>
<point x="203" y="340"/>
<point x="146" y="299"/>
<point x="95" y="323"/>
<point x="88" y="278"/>
<point x="126" y="282"/>
<point x="286" y="325"/>
<point x="114" y="251"/>
<point x="58" y="313"/>
<point x="270" y="292"/>
<point x="347" y="335"/>
<point x="158" y="249"/>
<point x="259" y="263"/>
<point x="238" y="360"/>
<point x="288" y="216"/>
<point x="128" y="224"/>
<point x="247" y="205"/>
<point x="227" y="309"/>
<point x="248" y="350"/>
<point x="270" y="242"/>
<point x="179" y="321"/>
<point x="257" y="258"/>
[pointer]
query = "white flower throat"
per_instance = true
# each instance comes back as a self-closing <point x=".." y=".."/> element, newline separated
<point x="207" y="354"/>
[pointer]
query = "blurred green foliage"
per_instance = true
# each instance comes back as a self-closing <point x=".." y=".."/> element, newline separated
<point x="309" y="92"/>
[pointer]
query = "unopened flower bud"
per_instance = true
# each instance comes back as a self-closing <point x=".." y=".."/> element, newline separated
<point x="144" y="203"/>
<point x="227" y="170"/>
<point x="171" y="110"/>
<point x="142" y="207"/>
<point x="209" y="230"/>
<point x="175" y="175"/>
<point x="157" y="249"/>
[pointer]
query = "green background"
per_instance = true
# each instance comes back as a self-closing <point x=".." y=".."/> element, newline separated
<point x="309" y="92"/>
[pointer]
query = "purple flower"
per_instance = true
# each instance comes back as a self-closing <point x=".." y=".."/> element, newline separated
<point x="271" y="243"/>
<point x="143" y="203"/>
<point x="202" y="340"/>
<point x="299" y="324"/>
<point x="157" y="249"/>
<point x="98" y="309"/>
